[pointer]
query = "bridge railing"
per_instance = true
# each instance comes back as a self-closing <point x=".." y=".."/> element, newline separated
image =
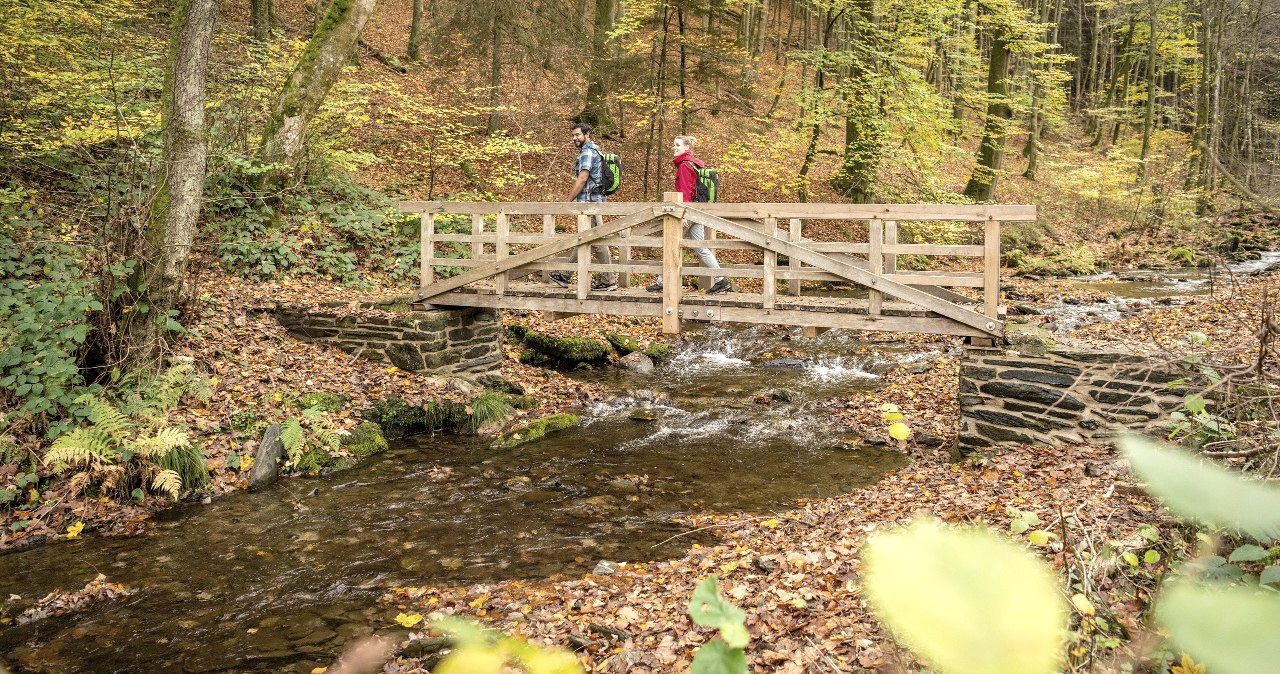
<point x="501" y="238"/>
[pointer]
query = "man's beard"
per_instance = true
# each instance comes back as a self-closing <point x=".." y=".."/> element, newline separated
<point x="579" y="143"/>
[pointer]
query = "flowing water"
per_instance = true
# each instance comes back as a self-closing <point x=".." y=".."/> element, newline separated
<point x="1136" y="290"/>
<point x="278" y="581"/>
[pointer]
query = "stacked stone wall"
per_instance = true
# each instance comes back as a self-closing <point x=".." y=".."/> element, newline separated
<point x="1061" y="396"/>
<point x="441" y="341"/>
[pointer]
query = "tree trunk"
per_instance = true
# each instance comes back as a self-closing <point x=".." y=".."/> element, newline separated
<point x="982" y="183"/>
<point x="414" y="50"/>
<point x="1150" y="119"/>
<point x="596" y="111"/>
<point x="175" y="209"/>
<point x="317" y="69"/>
<point x="495" y="68"/>
<point x="262" y="18"/>
<point x="863" y="123"/>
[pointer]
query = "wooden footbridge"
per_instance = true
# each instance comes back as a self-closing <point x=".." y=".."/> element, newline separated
<point x="501" y="253"/>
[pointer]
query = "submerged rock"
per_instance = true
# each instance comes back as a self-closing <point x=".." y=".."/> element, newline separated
<point x="606" y="568"/>
<point x="643" y="414"/>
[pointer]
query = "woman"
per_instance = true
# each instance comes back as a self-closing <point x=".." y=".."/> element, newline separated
<point x="687" y="184"/>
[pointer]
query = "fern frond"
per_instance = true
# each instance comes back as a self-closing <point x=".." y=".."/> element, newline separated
<point x="164" y="441"/>
<point x="108" y="420"/>
<point x="188" y="462"/>
<point x="81" y="447"/>
<point x="167" y="482"/>
<point x="291" y="435"/>
<point x="329" y="439"/>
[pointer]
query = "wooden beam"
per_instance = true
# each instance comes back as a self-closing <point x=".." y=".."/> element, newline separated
<point x="849" y="271"/>
<point x="875" y="259"/>
<point x="426" y="250"/>
<point x="672" y="256"/>
<point x="543" y="251"/>
<point x="991" y="269"/>
<point x="755" y="211"/>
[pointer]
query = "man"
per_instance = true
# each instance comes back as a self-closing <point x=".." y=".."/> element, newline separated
<point x="588" y="187"/>
<point x="687" y="184"/>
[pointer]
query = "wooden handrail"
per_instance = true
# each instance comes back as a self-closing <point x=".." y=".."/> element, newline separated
<point x="772" y="229"/>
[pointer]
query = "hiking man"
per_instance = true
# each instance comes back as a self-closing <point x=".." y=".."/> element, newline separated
<point x="588" y="187"/>
<point x="687" y="185"/>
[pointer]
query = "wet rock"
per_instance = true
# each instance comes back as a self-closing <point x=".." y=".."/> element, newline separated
<point x="921" y="367"/>
<point x="643" y="414"/>
<point x="624" y="485"/>
<point x="518" y="483"/>
<point x="452" y="563"/>
<point x="266" y="461"/>
<point x="642" y="395"/>
<point x="637" y="362"/>
<point x="535" y="430"/>
<point x="498" y="383"/>
<point x="463" y="386"/>
<point x="926" y="439"/>
<point x="782" y="395"/>
<point x="606" y="568"/>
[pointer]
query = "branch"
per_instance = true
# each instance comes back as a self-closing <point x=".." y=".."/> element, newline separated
<point x="388" y="61"/>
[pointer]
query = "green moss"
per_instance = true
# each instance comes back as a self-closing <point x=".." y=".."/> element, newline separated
<point x="523" y="402"/>
<point x="517" y="331"/>
<point x="497" y="383"/>
<point x="568" y="352"/>
<point x="245" y="420"/>
<point x="365" y="440"/>
<point x="1064" y="262"/>
<point x="535" y="430"/>
<point x="324" y="400"/>
<point x="623" y="344"/>
<point x="536" y="359"/>
<point x="658" y="352"/>
<point x="398" y="418"/>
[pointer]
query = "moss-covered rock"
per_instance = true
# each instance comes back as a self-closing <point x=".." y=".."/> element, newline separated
<point x="568" y="352"/>
<point x="517" y="331"/>
<point x="365" y="440"/>
<point x="398" y="418"/>
<point x="535" y="430"/>
<point x="658" y="352"/>
<point x="498" y="383"/>
<point x="623" y="344"/>
<point x="324" y="400"/>
<point x="524" y="402"/>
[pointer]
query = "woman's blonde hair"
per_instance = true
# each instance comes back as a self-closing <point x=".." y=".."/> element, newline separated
<point x="687" y="141"/>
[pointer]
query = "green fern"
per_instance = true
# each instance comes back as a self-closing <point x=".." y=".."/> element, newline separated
<point x="162" y="443"/>
<point x="89" y="447"/>
<point x="291" y="435"/>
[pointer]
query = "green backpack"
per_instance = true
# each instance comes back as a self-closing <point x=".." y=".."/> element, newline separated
<point x="708" y="186"/>
<point x="610" y="172"/>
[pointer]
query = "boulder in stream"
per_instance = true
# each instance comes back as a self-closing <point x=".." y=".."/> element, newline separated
<point x="266" y="461"/>
<point x="637" y="362"/>
<point x="535" y="430"/>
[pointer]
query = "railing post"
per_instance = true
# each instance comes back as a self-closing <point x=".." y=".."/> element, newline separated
<point x="549" y="231"/>
<point x="672" y="256"/>
<point x="891" y="238"/>
<point x="793" y="286"/>
<point x="427" y="250"/>
<point x="991" y="269"/>
<point x="875" y="256"/>
<point x="770" y="289"/>
<point x="583" y="277"/>
<point x="500" y="250"/>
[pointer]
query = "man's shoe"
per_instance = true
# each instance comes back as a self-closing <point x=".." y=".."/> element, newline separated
<point x="721" y="286"/>
<point x="560" y="278"/>
<point x="654" y="287"/>
<point x="603" y="286"/>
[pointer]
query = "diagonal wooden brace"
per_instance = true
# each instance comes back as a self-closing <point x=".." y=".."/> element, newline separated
<point x="848" y="271"/>
<point x="544" y="251"/>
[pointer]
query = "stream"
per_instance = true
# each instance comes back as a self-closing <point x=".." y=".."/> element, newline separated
<point x="280" y="580"/>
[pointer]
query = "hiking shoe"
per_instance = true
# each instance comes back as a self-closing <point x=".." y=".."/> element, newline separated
<point x="561" y="278"/>
<point x="721" y="286"/>
<point x="603" y="286"/>
<point x="654" y="287"/>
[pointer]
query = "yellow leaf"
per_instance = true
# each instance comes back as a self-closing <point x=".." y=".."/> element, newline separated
<point x="408" y="619"/>
<point x="1082" y="604"/>
<point x="799" y="603"/>
<point x="1188" y="666"/>
<point x="74" y="530"/>
<point x="246" y="463"/>
<point x="899" y="431"/>
<point x="213" y="381"/>
<point x="319" y="670"/>
<point x="771" y="523"/>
